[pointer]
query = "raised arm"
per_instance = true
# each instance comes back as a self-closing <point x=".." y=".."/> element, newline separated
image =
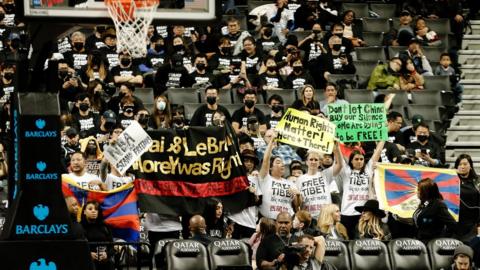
<point x="337" y="156"/>
<point x="319" y="248"/>
<point x="378" y="151"/>
<point x="266" y="158"/>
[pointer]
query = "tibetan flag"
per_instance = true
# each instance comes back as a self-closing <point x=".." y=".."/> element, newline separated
<point x="119" y="207"/>
<point x="396" y="187"/>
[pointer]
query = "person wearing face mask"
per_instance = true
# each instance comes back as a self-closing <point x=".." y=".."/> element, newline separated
<point x="14" y="49"/>
<point x="125" y="90"/>
<point x="270" y="79"/>
<point x="129" y="109"/>
<point x="126" y="71"/>
<point x="240" y="116"/>
<point x="108" y="121"/>
<point x="427" y="152"/>
<point x="173" y="74"/>
<point x="203" y="116"/>
<point x="143" y="118"/>
<point x="267" y="41"/>
<point x="155" y="55"/>
<point x="337" y="30"/>
<point x="94" y="41"/>
<point x="7" y="83"/>
<point x="109" y="37"/>
<point x="162" y="114"/>
<point x="178" y="117"/>
<point x="90" y="147"/>
<point x="299" y="76"/>
<point x="275" y="102"/>
<point x="202" y="74"/>
<point x="78" y="55"/>
<point x="386" y="76"/>
<point x="312" y="44"/>
<point x="84" y="120"/>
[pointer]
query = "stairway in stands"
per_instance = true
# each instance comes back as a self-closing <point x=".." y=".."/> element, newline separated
<point x="463" y="136"/>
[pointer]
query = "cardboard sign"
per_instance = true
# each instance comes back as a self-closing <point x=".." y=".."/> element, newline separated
<point x="130" y="145"/>
<point x="307" y="131"/>
<point x="359" y="122"/>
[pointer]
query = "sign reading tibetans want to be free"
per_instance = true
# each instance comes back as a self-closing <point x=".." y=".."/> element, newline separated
<point x="359" y="122"/>
<point x="304" y="130"/>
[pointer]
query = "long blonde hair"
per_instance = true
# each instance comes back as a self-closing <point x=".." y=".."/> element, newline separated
<point x="371" y="227"/>
<point x="325" y="219"/>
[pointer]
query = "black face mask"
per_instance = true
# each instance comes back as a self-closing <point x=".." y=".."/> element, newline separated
<point x="340" y="35"/>
<point x="276" y="108"/>
<point x="9" y="8"/>
<point x="336" y="47"/>
<point x="178" y="48"/>
<point x="96" y="60"/>
<point x="159" y="47"/>
<point x="15" y="44"/>
<point x="83" y="107"/>
<point x="2" y="16"/>
<point x="91" y="150"/>
<point x="125" y="61"/>
<point x="226" y="50"/>
<point x="128" y="109"/>
<point x="211" y="100"/>
<point x="297" y="69"/>
<point x="316" y="32"/>
<point x="109" y="126"/>
<point x="78" y="46"/>
<point x="271" y="68"/>
<point x="268" y="32"/>
<point x="62" y="74"/>
<point x="178" y="120"/>
<point x="422" y="138"/>
<point x="8" y="76"/>
<point x="143" y="119"/>
<point x="201" y="66"/>
<point x="249" y="103"/>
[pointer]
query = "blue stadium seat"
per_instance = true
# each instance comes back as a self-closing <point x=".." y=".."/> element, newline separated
<point x="408" y="254"/>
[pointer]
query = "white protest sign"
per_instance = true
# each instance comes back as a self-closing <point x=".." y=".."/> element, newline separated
<point x="130" y="145"/>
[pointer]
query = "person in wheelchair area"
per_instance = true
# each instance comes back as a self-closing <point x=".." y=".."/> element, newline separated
<point x="463" y="259"/>
<point x="306" y="254"/>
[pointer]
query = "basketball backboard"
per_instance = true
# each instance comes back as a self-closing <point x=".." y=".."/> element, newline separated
<point x="87" y="10"/>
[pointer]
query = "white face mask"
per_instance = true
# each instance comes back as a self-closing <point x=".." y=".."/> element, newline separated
<point x="161" y="105"/>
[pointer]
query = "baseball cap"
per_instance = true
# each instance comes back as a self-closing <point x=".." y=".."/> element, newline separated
<point x="110" y="116"/>
<point x="414" y="40"/>
<point x="464" y="250"/>
<point x="417" y="119"/>
<point x="71" y="132"/>
<point x="405" y="13"/>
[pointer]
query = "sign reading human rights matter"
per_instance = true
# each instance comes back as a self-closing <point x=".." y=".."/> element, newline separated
<point x="130" y="145"/>
<point x="359" y="122"/>
<point x="307" y="131"/>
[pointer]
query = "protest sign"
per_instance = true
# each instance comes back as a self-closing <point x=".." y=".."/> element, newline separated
<point x="359" y="122"/>
<point x="396" y="187"/>
<point x="130" y="145"/>
<point x="184" y="167"/>
<point x="307" y="131"/>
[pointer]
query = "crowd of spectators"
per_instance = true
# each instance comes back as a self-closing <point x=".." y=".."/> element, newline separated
<point x="312" y="199"/>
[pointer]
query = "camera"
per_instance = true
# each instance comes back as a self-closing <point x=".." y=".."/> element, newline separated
<point x="293" y="254"/>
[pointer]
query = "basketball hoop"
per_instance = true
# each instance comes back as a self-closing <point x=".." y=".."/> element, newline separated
<point x="131" y="19"/>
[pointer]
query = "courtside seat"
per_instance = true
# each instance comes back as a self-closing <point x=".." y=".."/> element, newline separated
<point x="408" y="254"/>
<point x="368" y="254"/>
<point x="229" y="253"/>
<point x="336" y="253"/>
<point x="186" y="255"/>
<point x="440" y="251"/>
<point x="159" y="254"/>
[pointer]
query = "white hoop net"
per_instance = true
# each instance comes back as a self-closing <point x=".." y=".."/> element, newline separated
<point x="132" y="19"/>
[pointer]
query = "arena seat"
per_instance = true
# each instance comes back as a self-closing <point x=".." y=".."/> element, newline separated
<point x="288" y="95"/>
<point x="228" y="254"/>
<point x="231" y="108"/>
<point x="338" y="77"/>
<point x="376" y="24"/>
<point x="359" y="95"/>
<point x="183" y="95"/>
<point x="440" y="82"/>
<point x="394" y="50"/>
<point x="365" y="67"/>
<point x="433" y="53"/>
<point x="383" y="10"/>
<point x="440" y="251"/>
<point x="159" y="254"/>
<point x="401" y="97"/>
<point x="371" y="53"/>
<point x="440" y="25"/>
<point x="190" y="109"/>
<point x="427" y="97"/>
<point x="360" y="9"/>
<point x="147" y="97"/>
<point x="367" y="254"/>
<point x="225" y="96"/>
<point x="408" y="254"/>
<point x="372" y="39"/>
<point x="429" y="112"/>
<point x="264" y="108"/>
<point x="336" y="253"/>
<point x="186" y="255"/>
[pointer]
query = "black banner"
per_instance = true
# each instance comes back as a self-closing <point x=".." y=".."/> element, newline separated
<point x="184" y="167"/>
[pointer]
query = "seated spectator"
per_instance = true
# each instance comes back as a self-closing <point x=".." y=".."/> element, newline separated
<point x="78" y="55"/>
<point x="96" y="69"/>
<point x="126" y="71"/>
<point x="312" y="256"/>
<point x="162" y="114"/>
<point x="203" y="116"/>
<point x="275" y="102"/>
<point x="394" y="124"/>
<point x="352" y="30"/>
<point x="97" y="231"/>
<point x="299" y="76"/>
<point x="245" y="142"/>
<point x="402" y="35"/>
<point x="432" y="218"/>
<point x="282" y="19"/>
<point x="267" y="41"/>
<point x="68" y="84"/>
<point x="79" y="173"/>
<point x="94" y="41"/>
<point x="215" y="219"/>
<point x="201" y="74"/>
<point x="346" y="45"/>
<point x="463" y="258"/>
<point x="425" y="34"/>
<point x="93" y="154"/>
<point x="445" y="68"/>
<point x="414" y="52"/>
<point x="156" y="55"/>
<point x="308" y="100"/>
<point x="270" y="79"/>
<point x="14" y="49"/>
<point x="84" y="120"/>
<point x="329" y="223"/>
<point x="172" y="74"/>
<point x="128" y="110"/>
<point x="410" y="79"/>
<point x="125" y="90"/>
<point x="265" y="228"/>
<point x="235" y="35"/>
<point x="386" y="76"/>
<point x="8" y="81"/>
<point x="282" y="151"/>
<point x="330" y="93"/>
<point x="179" y="46"/>
<point x="240" y="116"/>
<point x="427" y="151"/>
<point x="335" y="61"/>
<point x="286" y="53"/>
<point x="370" y="225"/>
<point x="143" y="118"/>
<point x="251" y="59"/>
<point x="109" y="37"/>
<point x="198" y="230"/>
<point x="312" y="45"/>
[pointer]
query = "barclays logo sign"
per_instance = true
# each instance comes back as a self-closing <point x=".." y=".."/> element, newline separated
<point x="41" y="167"/>
<point x="40" y="124"/>
<point x="41" y="264"/>
<point x="41" y="213"/>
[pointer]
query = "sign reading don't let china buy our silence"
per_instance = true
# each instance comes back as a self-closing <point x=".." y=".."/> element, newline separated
<point x="359" y="122"/>
<point x="304" y="130"/>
